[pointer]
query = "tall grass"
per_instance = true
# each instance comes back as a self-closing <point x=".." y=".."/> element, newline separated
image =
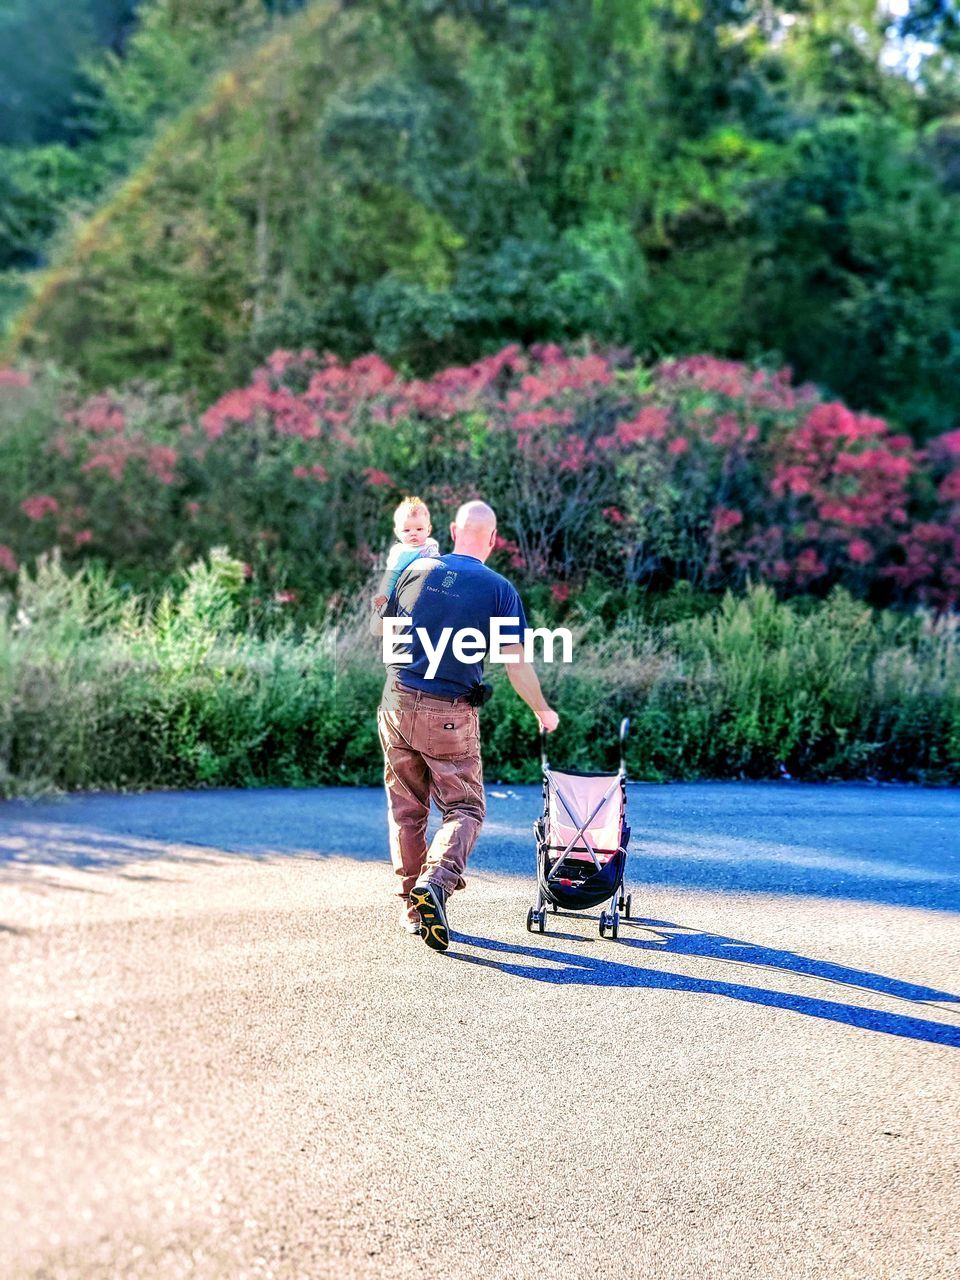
<point x="100" y="690"/>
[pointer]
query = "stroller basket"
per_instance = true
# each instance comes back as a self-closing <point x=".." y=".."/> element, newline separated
<point x="582" y="838"/>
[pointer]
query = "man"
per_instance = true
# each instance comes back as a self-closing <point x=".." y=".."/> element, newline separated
<point x="429" y="724"/>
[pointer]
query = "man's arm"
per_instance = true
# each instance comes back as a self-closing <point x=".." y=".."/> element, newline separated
<point x="526" y="684"/>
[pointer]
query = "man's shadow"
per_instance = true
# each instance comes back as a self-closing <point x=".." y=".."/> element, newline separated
<point x="568" y="969"/>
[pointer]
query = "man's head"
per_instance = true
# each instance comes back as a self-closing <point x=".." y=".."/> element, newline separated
<point x="411" y="522"/>
<point x="474" y="530"/>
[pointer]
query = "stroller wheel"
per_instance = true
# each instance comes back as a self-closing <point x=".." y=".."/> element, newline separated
<point x="531" y="916"/>
<point x="628" y="907"/>
<point x="542" y="919"/>
<point x="603" y="924"/>
<point x="615" y="926"/>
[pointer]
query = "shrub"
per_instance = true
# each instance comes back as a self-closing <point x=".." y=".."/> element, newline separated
<point x="701" y="470"/>
<point x="104" y="690"/>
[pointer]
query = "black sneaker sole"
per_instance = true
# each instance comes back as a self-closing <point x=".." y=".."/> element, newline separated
<point x="434" y="929"/>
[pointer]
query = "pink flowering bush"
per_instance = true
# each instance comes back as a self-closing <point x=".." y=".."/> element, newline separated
<point x="88" y="475"/>
<point x="927" y="564"/>
<point x="736" y="474"/>
<point x="699" y="469"/>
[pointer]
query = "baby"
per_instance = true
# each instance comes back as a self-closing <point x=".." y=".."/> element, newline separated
<point x="411" y="524"/>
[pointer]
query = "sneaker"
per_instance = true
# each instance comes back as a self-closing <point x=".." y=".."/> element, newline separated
<point x="429" y="901"/>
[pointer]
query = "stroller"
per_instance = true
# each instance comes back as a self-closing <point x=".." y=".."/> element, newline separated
<point x="582" y="840"/>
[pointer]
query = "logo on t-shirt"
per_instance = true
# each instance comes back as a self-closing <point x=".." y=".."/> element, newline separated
<point x="448" y="580"/>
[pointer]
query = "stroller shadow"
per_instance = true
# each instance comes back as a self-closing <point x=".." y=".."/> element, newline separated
<point x="567" y="969"/>
<point x="679" y="940"/>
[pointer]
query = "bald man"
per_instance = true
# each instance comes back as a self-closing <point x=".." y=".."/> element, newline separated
<point x="429" y="719"/>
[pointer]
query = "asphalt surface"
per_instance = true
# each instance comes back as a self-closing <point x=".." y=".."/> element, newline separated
<point x="222" y="1058"/>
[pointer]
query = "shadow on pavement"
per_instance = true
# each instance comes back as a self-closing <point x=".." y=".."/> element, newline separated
<point x="566" y="969"/>
<point x="30" y="845"/>
<point x="895" y="845"/>
<point x="679" y="940"/>
<point x="106" y="832"/>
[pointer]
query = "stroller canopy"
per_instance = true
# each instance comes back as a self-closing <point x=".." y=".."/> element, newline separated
<point x="584" y="814"/>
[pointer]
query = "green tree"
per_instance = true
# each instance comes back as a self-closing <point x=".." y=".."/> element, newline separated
<point x="859" y="279"/>
<point x="104" y="107"/>
<point x="44" y="46"/>
<point x="436" y="177"/>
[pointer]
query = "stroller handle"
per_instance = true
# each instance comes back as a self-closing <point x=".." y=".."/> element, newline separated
<point x="624" y="730"/>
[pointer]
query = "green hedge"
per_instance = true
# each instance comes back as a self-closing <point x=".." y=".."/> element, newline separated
<point x="99" y="691"/>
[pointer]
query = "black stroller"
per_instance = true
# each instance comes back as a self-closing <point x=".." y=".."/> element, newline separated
<point x="582" y="840"/>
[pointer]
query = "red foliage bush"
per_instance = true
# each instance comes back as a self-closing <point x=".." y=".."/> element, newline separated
<point x="700" y="468"/>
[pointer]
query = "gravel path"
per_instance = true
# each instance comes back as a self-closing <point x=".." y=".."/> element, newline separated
<point x="223" y="1059"/>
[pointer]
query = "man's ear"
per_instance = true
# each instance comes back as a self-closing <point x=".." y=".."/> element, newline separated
<point x="453" y="531"/>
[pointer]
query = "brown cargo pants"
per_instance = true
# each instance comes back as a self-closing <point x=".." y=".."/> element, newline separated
<point x="431" y="749"/>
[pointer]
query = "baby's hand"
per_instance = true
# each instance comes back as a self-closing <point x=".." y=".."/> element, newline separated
<point x="379" y="602"/>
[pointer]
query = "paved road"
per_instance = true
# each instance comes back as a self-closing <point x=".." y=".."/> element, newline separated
<point x="222" y="1059"/>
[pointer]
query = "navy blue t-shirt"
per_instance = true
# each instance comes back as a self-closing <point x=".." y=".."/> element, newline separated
<point x="456" y="592"/>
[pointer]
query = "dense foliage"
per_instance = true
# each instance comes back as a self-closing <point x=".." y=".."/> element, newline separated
<point x="433" y="178"/>
<point x="104" y="690"/>
<point x="74" y="122"/>
<point x="44" y="46"/>
<point x="708" y="471"/>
